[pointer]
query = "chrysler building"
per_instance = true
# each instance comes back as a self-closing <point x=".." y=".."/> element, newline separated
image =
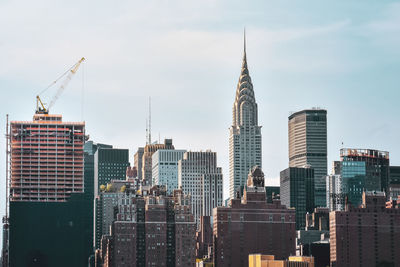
<point x="245" y="133"/>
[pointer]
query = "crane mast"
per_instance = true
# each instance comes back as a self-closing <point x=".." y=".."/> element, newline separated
<point x="40" y="107"/>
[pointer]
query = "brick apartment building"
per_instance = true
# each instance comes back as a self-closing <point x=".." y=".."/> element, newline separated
<point x="151" y="229"/>
<point x="365" y="236"/>
<point x="251" y="225"/>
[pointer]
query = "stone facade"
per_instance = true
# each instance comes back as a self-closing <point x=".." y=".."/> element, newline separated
<point x="244" y="134"/>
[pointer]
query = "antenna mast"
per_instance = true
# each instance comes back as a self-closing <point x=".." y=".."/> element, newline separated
<point x="147" y="132"/>
<point x="150" y="120"/>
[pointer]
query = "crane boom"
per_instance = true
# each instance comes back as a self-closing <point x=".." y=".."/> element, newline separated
<point x="72" y="71"/>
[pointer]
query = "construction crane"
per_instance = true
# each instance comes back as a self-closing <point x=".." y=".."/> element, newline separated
<point x="40" y="106"/>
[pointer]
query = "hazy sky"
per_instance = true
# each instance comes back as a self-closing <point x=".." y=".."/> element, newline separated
<point x="340" y="55"/>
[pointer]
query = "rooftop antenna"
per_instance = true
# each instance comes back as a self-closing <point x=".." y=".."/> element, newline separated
<point x="147" y="132"/>
<point x="149" y="136"/>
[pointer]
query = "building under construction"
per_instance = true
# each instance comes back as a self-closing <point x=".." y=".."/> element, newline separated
<point x="46" y="158"/>
<point x="50" y="198"/>
<point x="49" y="209"/>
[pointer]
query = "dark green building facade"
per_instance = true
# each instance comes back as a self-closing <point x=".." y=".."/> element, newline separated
<point x="297" y="191"/>
<point x="50" y="234"/>
<point x="394" y="177"/>
<point x="55" y="233"/>
<point x="109" y="164"/>
<point x="272" y="192"/>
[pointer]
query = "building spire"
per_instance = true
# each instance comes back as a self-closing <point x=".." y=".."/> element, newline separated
<point x="244" y="63"/>
<point x="244" y="91"/>
<point x="244" y="41"/>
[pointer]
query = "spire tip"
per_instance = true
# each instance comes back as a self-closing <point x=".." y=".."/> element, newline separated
<point x="244" y="40"/>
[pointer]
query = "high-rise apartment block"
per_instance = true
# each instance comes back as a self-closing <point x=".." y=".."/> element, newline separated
<point x="244" y="134"/>
<point x="165" y="168"/>
<point x="151" y="229"/>
<point x="251" y="225"/>
<point x="147" y="158"/>
<point x="50" y="198"/>
<point x="110" y="164"/>
<point x="297" y="191"/>
<point x="366" y="236"/>
<point x="200" y="177"/>
<point x="308" y="146"/>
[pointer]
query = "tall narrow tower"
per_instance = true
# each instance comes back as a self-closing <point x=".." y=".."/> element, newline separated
<point x="308" y="147"/>
<point x="244" y="134"/>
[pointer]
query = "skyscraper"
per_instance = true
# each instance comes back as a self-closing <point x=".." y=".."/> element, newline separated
<point x="376" y="166"/>
<point x="244" y="134"/>
<point x="199" y="176"/>
<point x="297" y="191"/>
<point x="50" y="200"/>
<point x="47" y="158"/>
<point x="149" y="150"/>
<point x="357" y="171"/>
<point x="308" y="146"/>
<point x="165" y="168"/>
<point x="109" y="164"/>
<point x="89" y="149"/>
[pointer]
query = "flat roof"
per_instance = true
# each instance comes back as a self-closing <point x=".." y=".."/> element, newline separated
<point x="313" y="110"/>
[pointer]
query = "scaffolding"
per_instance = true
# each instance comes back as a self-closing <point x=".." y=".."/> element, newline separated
<point x="47" y="161"/>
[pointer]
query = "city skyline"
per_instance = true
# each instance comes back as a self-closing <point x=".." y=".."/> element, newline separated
<point x="329" y="56"/>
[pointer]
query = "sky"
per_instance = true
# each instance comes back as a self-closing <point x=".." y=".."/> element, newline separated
<point x="186" y="55"/>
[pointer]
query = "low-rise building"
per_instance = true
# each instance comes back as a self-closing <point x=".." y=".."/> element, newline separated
<point x="259" y="260"/>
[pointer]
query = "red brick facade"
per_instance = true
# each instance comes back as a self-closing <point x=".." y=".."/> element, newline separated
<point x="251" y="225"/>
<point x="365" y="236"/>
